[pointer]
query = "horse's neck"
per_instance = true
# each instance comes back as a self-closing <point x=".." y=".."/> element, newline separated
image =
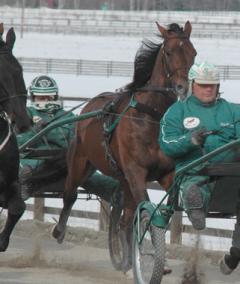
<point x="158" y="100"/>
<point x="159" y="76"/>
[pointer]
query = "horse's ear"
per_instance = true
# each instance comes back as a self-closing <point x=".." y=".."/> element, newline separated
<point x="161" y="29"/>
<point x="188" y="28"/>
<point x="1" y="29"/>
<point x="10" y="38"/>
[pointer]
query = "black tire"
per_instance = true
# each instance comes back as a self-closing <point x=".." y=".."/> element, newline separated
<point x="120" y="254"/>
<point x="115" y="241"/>
<point x="148" y="258"/>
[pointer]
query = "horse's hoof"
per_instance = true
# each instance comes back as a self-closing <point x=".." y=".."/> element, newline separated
<point x="129" y="274"/>
<point x="57" y="234"/>
<point x="166" y="269"/>
<point x="224" y="268"/>
<point x="126" y="266"/>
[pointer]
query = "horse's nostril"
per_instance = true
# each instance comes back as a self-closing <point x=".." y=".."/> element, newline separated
<point x="179" y="88"/>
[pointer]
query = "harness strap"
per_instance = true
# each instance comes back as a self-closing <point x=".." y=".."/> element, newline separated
<point x="4" y="116"/>
<point x="109" y="129"/>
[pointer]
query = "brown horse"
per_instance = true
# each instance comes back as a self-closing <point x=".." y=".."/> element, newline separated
<point x="123" y="142"/>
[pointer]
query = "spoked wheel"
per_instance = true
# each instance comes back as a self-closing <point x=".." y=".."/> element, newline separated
<point x="118" y="247"/>
<point x="149" y="256"/>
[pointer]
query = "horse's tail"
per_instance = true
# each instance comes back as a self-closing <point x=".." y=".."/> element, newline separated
<point x="50" y="172"/>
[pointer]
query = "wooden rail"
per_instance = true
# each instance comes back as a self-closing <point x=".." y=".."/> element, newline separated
<point x="100" y="68"/>
<point x="176" y="225"/>
<point x="176" y="228"/>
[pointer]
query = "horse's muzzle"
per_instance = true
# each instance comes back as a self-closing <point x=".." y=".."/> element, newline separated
<point x="181" y="91"/>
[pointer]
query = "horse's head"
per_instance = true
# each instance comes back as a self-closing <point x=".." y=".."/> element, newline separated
<point x="13" y="93"/>
<point x="175" y="58"/>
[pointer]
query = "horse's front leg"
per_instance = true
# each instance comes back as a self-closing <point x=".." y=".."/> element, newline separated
<point x="134" y="192"/>
<point x="77" y="172"/>
<point x="69" y="198"/>
<point x="16" y="207"/>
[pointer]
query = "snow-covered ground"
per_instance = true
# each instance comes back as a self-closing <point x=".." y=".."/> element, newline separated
<point x="220" y="52"/>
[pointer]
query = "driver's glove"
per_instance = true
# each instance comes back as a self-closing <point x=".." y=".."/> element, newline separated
<point x="198" y="136"/>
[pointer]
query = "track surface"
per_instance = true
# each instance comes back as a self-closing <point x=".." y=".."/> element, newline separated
<point x="33" y="257"/>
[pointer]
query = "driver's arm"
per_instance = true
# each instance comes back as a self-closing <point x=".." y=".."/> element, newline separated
<point x="175" y="140"/>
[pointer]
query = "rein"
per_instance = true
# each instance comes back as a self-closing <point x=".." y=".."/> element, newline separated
<point x="133" y="103"/>
<point x="11" y="97"/>
<point x="5" y="117"/>
<point x="156" y="89"/>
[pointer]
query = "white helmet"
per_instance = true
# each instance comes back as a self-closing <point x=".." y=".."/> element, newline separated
<point x="204" y="73"/>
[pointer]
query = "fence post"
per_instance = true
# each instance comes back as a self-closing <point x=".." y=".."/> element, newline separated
<point x="49" y="65"/>
<point x="104" y="216"/>
<point x="38" y="209"/>
<point x="79" y="66"/>
<point x="176" y="228"/>
<point x="109" y="68"/>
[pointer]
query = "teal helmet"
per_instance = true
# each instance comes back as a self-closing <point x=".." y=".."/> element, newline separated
<point x="44" y="86"/>
<point x="204" y="73"/>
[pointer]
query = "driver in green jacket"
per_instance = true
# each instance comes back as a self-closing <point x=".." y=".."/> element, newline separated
<point x="45" y="106"/>
<point x="191" y="128"/>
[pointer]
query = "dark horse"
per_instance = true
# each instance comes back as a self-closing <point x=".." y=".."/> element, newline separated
<point x="12" y="111"/>
<point x="123" y="142"/>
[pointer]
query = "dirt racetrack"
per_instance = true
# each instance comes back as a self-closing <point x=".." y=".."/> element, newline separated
<point x="33" y="257"/>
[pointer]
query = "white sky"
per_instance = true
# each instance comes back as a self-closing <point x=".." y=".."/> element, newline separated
<point x="117" y="48"/>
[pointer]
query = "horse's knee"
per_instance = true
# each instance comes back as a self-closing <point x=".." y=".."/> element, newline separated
<point x="16" y="206"/>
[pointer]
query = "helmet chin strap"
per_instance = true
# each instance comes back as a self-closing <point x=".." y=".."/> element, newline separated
<point x="218" y="93"/>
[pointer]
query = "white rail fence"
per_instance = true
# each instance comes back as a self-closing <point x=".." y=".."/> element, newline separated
<point x="130" y="23"/>
<point x="176" y="228"/>
<point x="100" y="68"/>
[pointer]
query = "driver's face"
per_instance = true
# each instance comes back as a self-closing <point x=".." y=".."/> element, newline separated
<point x="206" y="93"/>
<point x="43" y="98"/>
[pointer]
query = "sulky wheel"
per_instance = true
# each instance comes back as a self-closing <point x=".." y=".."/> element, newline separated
<point x="118" y="247"/>
<point x="149" y="256"/>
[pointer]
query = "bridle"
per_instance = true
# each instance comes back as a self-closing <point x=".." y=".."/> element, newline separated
<point x="165" y="60"/>
<point x="167" y="67"/>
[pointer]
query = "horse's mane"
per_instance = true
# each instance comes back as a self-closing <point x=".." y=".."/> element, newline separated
<point x="145" y="59"/>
